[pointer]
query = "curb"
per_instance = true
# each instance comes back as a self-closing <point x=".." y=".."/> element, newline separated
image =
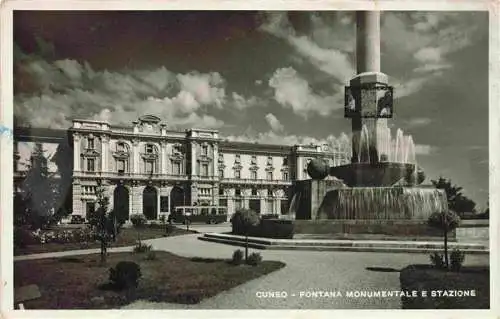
<point x="352" y="246"/>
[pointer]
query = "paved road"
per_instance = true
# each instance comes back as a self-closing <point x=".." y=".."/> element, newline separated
<point x="304" y="271"/>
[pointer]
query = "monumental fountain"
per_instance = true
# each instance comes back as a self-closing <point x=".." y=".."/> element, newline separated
<point x="382" y="184"/>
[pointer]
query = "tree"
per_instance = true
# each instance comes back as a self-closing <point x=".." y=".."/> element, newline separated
<point x="138" y="221"/>
<point x="40" y="189"/>
<point x="457" y="202"/>
<point x="100" y="220"/>
<point x="243" y="221"/>
<point x="445" y="221"/>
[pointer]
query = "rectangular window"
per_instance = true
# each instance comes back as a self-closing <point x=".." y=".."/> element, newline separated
<point x="253" y="174"/>
<point x="221" y="191"/>
<point x="176" y="168"/>
<point x="221" y="173"/>
<point x="164" y="204"/>
<point x="237" y="174"/>
<point x="204" y="150"/>
<point x="254" y="159"/>
<point x="149" y="149"/>
<point x="269" y="175"/>
<point x="90" y="143"/>
<point x="90" y="164"/>
<point x="204" y="169"/>
<point x="285" y="176"/>
<point x="90" y="208"/>
<point x="270" y="161"/>
<point x="120" y="165"/>
<point x="120" y="147"/>
<point x="223" y="202"/>
<point x="149" y="167"/>
<point x="237" y="159"/>
<point x="270" y="206"/>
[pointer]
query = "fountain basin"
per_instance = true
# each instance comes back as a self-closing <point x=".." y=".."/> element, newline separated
<point x="372" y="174"/>
<point x="382" y="203"/>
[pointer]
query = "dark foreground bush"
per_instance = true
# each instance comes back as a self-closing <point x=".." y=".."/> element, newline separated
<point x="437" y="260"/>
<point x="23" y="237"/>
<point x="467" y="289"/>
<point x="254" y="259"/>
<point x="237" y="257"/>
<point x="125" y="275"/>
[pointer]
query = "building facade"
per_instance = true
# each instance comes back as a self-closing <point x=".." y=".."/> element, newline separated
<point x="148" y="169"/>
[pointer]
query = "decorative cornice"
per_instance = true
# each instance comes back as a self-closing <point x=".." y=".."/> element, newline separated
<point x="204" y="158"/>
<point x="90" y="153"/>
<point x="177" y="157"/>
<point x="149" y="157"/>
<point x="269" y="169"/>
<point x="254" y="168"/>
<point x="237" y="166"/>
<point x="121" y="155"/>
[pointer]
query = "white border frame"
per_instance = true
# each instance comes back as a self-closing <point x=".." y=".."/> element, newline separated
<point x="6" y="147"/>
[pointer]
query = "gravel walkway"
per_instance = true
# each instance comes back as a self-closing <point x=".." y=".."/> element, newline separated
<point x="305" y="271"/>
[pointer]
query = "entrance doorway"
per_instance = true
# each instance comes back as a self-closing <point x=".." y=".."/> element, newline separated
<point x="177" y="198"/>
<point x="150" y="203"/>
<point x="254" y="204"/>
<point x="121" y="203"/>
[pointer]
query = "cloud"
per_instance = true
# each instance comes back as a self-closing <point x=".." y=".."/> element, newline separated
<point x="274" y="123"/>
<point x="206" y="88"/>
<point x="332" y="61"/>
<point x="429" y="54"/>
<point x="240" y="102"/>
<point x="67" y="89"/>
<point x="291" y="90"/>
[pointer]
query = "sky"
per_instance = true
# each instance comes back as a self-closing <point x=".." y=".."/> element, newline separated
<point x="271" y="77"/>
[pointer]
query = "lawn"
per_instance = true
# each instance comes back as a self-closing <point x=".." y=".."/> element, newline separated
<point x="76" y="282"/>
<point x="425" y="277"/>
<point x="127" y="237"/>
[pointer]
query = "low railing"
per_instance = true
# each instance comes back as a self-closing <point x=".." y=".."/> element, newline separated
<point x="137" y="176"/>
<point x="255" y="181"/>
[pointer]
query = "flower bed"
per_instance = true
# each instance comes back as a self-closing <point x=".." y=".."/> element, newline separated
<point x="24" y="237"/>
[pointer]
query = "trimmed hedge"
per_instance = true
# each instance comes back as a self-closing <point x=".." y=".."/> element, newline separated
<point x="269" y="228"/>
<point x="403" y="228"/>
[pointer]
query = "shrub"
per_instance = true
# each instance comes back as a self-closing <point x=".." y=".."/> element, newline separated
<point x="437" y="260"/>
<point x="457" y="258"/>
<point x="138" y="220"/>
<point x="151" y="255"/>
<point x="23" y="237"/>
<point x="254" y="259"/>
<point x="237" y="257"/>
<point x="142" y="248"/>
<point x="244" y="220"/>
<point x="125" y="275"/>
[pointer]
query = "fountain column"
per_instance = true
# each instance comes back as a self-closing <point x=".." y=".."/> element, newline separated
<point x="368" y="73"/>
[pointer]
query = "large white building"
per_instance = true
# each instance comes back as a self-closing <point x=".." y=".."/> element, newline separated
<point x="149" y="169"/>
